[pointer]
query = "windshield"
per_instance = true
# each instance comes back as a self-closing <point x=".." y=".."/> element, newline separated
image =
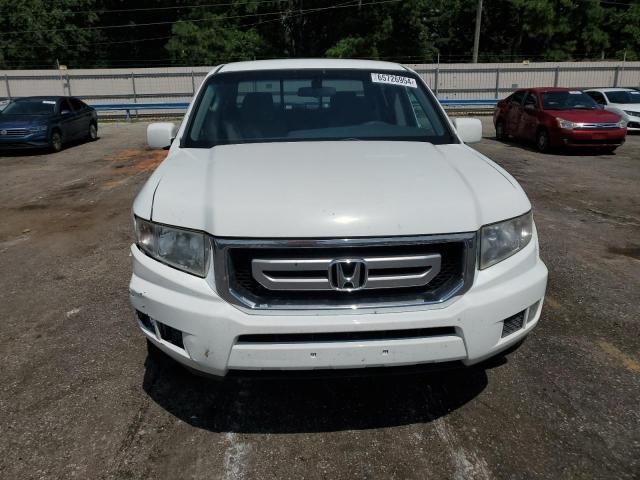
<point x="308" y="105"/>
<point x="623" y="97"/>
<point x="567" y="101"/>
<point x="30" y="107"/>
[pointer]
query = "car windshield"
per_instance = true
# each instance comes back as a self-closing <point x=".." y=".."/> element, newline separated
<point x="312" y="105"/>
<point x="568" y="100"/>
<point x="623" y="97"/>
<point x="30" y="107"/>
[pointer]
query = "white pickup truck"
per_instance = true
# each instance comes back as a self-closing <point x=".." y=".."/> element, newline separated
<point x="327" y="214"/>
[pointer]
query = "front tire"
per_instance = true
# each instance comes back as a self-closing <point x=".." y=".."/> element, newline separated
<point x="55" y="142"/>
<point x="500" y="131"/>
<point x="92" y="134"/>
<point x="542" y="140"/>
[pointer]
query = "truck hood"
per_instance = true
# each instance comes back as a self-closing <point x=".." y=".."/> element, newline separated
<point x="330" y="189"/>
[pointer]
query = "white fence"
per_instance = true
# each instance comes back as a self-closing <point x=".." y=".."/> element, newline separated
<point x="177" y="84"/>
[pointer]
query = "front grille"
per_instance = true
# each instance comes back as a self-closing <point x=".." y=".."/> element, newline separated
<point x="598" y="126"/>
<point x="513" y="324"/>
<point x="170" y="334"/>
<point x="444" y="268"/>
<point x="13" y="132"/>
<point x="346" y="336"/>
<point x="633" y="125"/>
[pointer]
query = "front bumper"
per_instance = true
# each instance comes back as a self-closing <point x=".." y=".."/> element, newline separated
<point x="633" y="123"/>
<point x="38" y="140"/>
<point x="211" y="327"/>
<point x="589" y="138"/>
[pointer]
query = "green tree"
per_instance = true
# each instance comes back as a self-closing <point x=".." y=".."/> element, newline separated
<point x="36" y="33"/>
<point x="212" y="41"/>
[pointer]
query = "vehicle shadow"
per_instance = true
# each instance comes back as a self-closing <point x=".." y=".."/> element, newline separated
<point x="42" y="152"/>
<point x="558" y="151"/>
<point x="286" y="405"/>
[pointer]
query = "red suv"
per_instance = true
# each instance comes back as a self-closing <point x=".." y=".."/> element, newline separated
<point x="558" y="117"/>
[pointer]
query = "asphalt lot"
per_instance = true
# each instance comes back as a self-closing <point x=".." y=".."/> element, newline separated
<point x="79" y="398"/>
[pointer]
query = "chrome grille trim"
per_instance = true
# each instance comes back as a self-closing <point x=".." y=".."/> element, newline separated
<point x="226" y="283"/>
<point x="265" y="271"/>
<point x="590" y="126"/>
<point x="14" y="132"/>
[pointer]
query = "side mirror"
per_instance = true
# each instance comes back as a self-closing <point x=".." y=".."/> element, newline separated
<point x="469" y="129"/>
<point x="161" y="134"/>
<point x="530" y="106"/>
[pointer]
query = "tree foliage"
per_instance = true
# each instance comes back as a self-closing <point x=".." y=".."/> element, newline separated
<point x="88" y="33"/>
<point x="39" y="32"/>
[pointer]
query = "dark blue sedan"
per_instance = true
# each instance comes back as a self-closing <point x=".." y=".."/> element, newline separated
<point x="46" y="122"/>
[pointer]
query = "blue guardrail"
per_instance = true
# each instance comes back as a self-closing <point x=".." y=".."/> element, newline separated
<point x="128" y="107"/>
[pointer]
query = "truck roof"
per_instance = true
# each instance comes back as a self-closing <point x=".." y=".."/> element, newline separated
<point x="309" y="63"/>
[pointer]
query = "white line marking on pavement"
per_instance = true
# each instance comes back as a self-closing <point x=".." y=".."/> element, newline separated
<point x="235" y="457"/>
<point x="467" y="465"/>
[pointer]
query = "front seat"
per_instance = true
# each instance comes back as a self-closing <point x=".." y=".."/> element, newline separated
<point x="260" y="117"/>
<point x="348" y="109"/>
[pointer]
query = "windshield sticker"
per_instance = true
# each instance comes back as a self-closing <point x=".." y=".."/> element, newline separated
<point x="48" y="102"/>
<point x="575" y="92"/>
<point x="393" y="80"/>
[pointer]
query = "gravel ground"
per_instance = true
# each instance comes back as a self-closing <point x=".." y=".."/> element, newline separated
<point x="80" y="399"/>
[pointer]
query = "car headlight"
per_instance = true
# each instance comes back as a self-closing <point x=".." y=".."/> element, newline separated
<point x="183" y="249"/>
<point x="38" y="129"/>
<point x="633" y="114"/>
<point x="499" y="241"/>
<point x="562" y="123"/>
<point x="621" y="124"/>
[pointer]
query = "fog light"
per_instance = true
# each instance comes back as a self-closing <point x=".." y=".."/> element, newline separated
<point x="532" y="311"/>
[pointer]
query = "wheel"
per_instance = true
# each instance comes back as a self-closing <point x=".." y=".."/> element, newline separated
<point x="55" y="142"/>
<point x="500" y="132"/>
<point x="542" y="140"/>
<point x="92" y="134"/>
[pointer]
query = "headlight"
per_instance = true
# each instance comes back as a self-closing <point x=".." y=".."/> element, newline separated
<point x="562" y="123"/>
<point x="621" y="124"/>
<point x="185" y="250"/>
<point x="38" y="128"/>
<point x="633" y="114"/>
<point x="499" y="241"/>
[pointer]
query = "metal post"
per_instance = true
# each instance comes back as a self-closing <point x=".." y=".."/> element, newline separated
<point x="193" y="83"/>
<point x="615" y="76"/>
<point x="6" y="82"/>
<point x="556" y="77"/>
<point x="497" y="83"/>
<point x="68" y="84"/>
<point x="135" y="95"/>
<point x="476" y="37"/>
<point x="437" y="72"/>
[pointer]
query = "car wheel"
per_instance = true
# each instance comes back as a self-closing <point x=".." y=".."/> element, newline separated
<point x="92" y="135"/>
<point x="542" y="140"/>
<point x="500" y="132"/>
<point x="55" y="142"/>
